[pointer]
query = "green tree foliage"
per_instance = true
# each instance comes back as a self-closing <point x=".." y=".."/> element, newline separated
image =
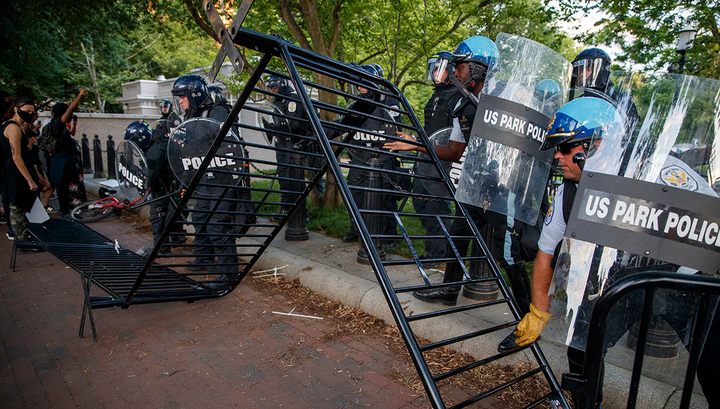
<point x="52" y="48"/>
<point x="647" y="31"/>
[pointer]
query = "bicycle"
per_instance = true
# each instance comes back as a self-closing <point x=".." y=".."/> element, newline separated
<point x="94" y="210"/>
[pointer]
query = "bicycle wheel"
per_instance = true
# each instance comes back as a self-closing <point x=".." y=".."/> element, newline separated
<point x="83" y="212"/>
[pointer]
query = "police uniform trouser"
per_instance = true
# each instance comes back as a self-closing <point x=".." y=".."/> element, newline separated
<point x="358" y="177"/>
<point x="506" y="250"/>
<point x="433" y="248"/>
<point x="216" y="241"/>
<point x="161" y="212"/>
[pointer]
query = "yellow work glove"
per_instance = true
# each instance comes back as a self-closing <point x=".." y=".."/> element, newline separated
<point x="532" y="324"/>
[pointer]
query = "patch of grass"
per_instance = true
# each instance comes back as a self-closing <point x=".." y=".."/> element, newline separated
<point x="336" y="222"/>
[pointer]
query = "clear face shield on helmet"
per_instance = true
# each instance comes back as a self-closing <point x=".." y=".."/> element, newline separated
<point x="181" y="104"/>
<point x="439" y="71"/>
<point x="590" y="73"/>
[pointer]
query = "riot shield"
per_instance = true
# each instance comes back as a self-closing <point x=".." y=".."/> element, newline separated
<point x="383" y="125"/>
<point x="643" y="205"/>
<point x="273" y="123"/>
<point x="132" y="170"/>
<point x="505" y="171"/>
<point x="188" y="145"/>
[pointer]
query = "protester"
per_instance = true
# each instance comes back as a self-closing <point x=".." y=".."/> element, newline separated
<point x="64" y="166"/>
<point x="20" y="183"/>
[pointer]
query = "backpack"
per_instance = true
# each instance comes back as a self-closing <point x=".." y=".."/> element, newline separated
<point x="46" y="142"/>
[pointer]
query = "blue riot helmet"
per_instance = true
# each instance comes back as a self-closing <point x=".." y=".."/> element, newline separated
<point x="216" y="95"/>
<point x="282" y="84"/>
<point x="139" y="132"/>
<point x="583" y="121"/>
<point x="481" y="53"/>
<point x="591" y="69"/>
<point x="165" y="107"/>
<point x="439" y="68"/>
<point x="546" y="89"/>
<point x="194" y="88"/>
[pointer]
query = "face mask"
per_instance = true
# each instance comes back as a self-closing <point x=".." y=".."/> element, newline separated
<point x="25" y="116"/>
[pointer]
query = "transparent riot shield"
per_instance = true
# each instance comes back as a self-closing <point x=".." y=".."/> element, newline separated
<point x="644" y="203"/>
<point x="188" y="145"/>
<point x="505" y="171"/>
<point x="132" y="170"/>
<point x="274" y="122"/>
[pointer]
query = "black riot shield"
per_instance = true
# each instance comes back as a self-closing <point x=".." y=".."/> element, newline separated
<point x="132" y="170"/>
<point x="382" y="123"/>
<point x="188" y="145"/>
<point x="641" y="207"/>
<point x="275" y="123"/>
<point x="505" y="171"/>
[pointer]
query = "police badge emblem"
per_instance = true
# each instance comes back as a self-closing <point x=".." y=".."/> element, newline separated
<point x="292" y="106"/>
<point x="676" y="176"/>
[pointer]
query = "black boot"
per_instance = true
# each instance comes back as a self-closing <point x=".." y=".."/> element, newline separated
<point x="445" y="295"/>
<point x="509" y="343"/>
<point x="350" y="237"/>
<point x="224" y="281"/>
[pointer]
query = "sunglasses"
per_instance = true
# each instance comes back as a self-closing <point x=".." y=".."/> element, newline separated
<point x="566" y="148"/>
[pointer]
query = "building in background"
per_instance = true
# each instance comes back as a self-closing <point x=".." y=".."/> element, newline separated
<point x="141" y="97"/>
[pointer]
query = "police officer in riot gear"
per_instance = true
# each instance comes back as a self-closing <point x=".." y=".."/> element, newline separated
<point x="579" y="131"/>
<point x="473" y="58"/>
<point x="360" y="157"/>
<point x="217" y="97"/>
<point x="590" y="72"/>
<point x="160" y="176"/>
<point x="192" y="101"/>
<point x="167" y="120"/>
<point x="288" y="107"/>
<point x="438" y="115"/>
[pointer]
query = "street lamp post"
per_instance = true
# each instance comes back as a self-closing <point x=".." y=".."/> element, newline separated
<point x="685" y="42"/>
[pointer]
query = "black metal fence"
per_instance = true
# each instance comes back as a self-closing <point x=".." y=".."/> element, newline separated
<point x="651" y="288"/>
<point x="92" y="157"/>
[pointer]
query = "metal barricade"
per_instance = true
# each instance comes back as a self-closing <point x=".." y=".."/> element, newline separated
<point x="588" y="385"/>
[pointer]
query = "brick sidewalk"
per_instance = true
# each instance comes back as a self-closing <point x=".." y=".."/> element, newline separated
<point x="229" y="352"/>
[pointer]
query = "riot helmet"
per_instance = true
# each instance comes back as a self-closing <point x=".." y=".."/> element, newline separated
<point x="165" y="107"/>
<point x="439" y="68"/>
<point x="139" y="132"/>
<point x="371" y="69"/>
<point x="378" y="69"/>
<point x="282" y="84"/>
<point x="192" y="87"/>
<point x="583" y="121"/>
<point x="480" y="53"/>
<point x="591" y="69"/>
<point x="546" y="89"/>
<point x="216" y="95"/>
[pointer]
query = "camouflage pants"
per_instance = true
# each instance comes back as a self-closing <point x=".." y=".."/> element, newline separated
<point x="18" y="221"/>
